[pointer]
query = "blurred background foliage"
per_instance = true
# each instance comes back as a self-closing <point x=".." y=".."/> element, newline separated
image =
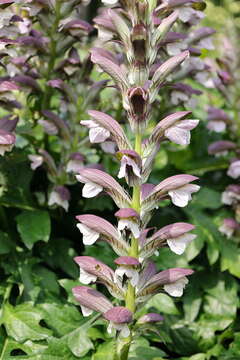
<point x="38" y="316"/>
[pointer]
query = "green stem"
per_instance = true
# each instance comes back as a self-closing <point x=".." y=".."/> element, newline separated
<point x="130" y="300"/>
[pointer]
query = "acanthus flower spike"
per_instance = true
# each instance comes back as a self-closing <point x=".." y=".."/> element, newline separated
<point x="95" y="228"/>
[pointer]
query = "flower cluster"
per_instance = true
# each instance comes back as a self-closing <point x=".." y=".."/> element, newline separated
<point x="227" y="82"/>
<point x="46" y="84"/>
<point x="137" y="65"/>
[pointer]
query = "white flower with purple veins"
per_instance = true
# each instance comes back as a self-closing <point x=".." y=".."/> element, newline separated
<point x="97" y="134"/>
<point x="231" y="195"/>
<point x="176" y="289"/>
<point x="86" y="278"/>
<point x="228" y="227"/>
<point x="36" y="161"/>
<point x="90" y="189"/>
<point x="234" y="169"/>
<point x="176" y="48"/>
<point x="127" y="161"/>
<point x="59" y="196"/>
<point x="179" y="133"/>
<point x="128" y="218"/>
<point x="89" y="236"/>
<point x="182" y="195"/>
<point x="217" y="126"/>
<point x="178" y="245"/>
<point x="126" y="268"/>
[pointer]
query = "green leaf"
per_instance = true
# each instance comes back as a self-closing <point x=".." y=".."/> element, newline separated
<point x="79" y="342"/>
<point x="22" y="322"/>
<point x="141" y="349"/>
<point x="105" y="351"/>
<point x="207" y="198"/>
<point x="6" y="244"/>
<point x="63" y="319"/>
<point x="163" y="303"/>
<point x="34" y="226"/>
<point x="230" y="258"/>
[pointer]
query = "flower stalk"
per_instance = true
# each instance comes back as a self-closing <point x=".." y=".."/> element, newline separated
<point x="139" y="75"/>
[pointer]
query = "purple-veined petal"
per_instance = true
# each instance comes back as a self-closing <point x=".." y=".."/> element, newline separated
<point x="91" y="299"/>
<point x="111" y="68"/>
<point x="104" y="231"/>
<point x="100" y="271"/>
<point x="118" y="315"/>
<point x="173" y="235"/>
<point x="150" y="318"/>
<point x="99" y="181"/>
<point x="111" y="125"/>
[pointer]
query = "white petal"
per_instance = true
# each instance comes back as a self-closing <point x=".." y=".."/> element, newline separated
<point x="176" y="289"/>
<point x="234" y="170"/>
<point x="98" y="134"/>
<point x="227" y="198"/>
<point x="125" y="332"/>
<point x="217" y="126"/>
<point x="122" y="170"/>
<point x="185" y="13"/>
<point x="74" y="166"/>
<point x="90" y="190"/>
<point x="182" y="195"/>
<point x="179" y="198"/>
<point x="178" y="135"/>
<point x="131" y="274"/>
<point x="110" y="328"/>
<point x="55" y="199"/>
<point x="179" y="244"/>
<point x="89" y="124"/>
<point x="125" y="223"/>
<point x="89" y="236"/>
<point x="86" y="278"/>
<point x="86" y="311"/>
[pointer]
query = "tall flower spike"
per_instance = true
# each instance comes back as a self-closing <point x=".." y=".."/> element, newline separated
<point x="139" y="72"/>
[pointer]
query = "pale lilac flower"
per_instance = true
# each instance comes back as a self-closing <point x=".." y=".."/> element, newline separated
<point x="177" y="187"/>
<point x="181" y="196"/>
<point x="97" y="134"/>
<point x="96" y="181"/>
<point x="110" y="2"/>
<point x="220" y="148"/>
<point x="75" y="164"/>
<point x="91" y="300"/>
<point x="231" y="195"/>
<point x="228" y="227"/>
<point x="119" y="317"/>
<point x="36" y="161"/>
<point x="130" y="166"/>
<point x="7" y="140"/>
<point x="112" y="126"/>
<point x="94" y="227"/>
<point x="173" y="281"/>
<point x="60" y="195"/>
<point x="109" y="147"/>
<point x="176" y="289"/>
<point x="234" y="169"/>
<point x="126" y="268"/>
<point x="176" y="236"/>
<point x="179" y="133"/>
<point x="128" y="218"/>
<point x="150" y="318"/>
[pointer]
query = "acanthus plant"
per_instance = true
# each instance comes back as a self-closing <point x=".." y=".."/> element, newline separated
<point x="139" y="74"/>
<point x="226" y="122"/>
<point x="45" y="83"/>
